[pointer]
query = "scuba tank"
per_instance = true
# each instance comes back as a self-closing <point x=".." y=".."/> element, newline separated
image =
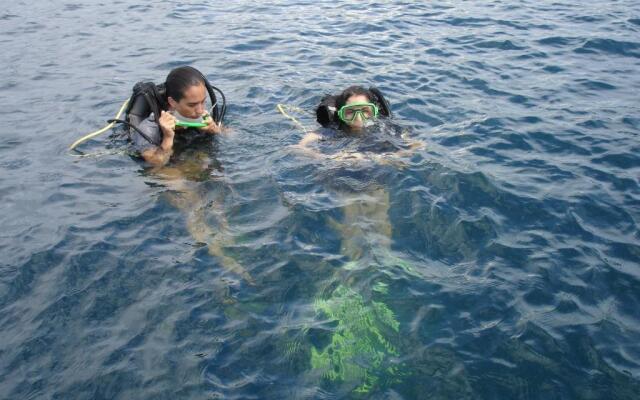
<point x="327" y="112"/>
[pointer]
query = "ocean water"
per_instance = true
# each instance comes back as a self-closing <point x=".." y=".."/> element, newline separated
<point x="499" y="261"/>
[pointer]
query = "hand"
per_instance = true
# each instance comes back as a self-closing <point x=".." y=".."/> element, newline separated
<point x="167" y="124"/>
<point x="213" y="128"/>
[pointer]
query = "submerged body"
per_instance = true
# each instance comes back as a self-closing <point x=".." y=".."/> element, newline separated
<point x="364" y="331"/>
<point x="184" y="158"/>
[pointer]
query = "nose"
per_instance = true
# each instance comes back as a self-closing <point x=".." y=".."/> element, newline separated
<point x="200" y="109"/>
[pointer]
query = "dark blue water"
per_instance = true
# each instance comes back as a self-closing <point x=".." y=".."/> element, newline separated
<point x="501" y="261"/>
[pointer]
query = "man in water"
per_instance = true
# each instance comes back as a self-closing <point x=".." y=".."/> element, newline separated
<point x="186" y="97"/>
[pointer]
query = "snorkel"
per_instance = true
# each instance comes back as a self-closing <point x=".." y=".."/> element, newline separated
<point x="186" y="124"/>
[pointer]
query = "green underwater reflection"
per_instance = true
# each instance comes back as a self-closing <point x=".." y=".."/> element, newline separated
<point x="360" y="345"/>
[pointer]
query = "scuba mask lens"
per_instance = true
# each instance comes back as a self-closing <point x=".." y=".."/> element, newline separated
<point x="350" y="112"/>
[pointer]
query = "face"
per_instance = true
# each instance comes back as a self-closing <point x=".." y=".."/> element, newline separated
<point x="357" y="123"/>
<point x="192" y="103"/>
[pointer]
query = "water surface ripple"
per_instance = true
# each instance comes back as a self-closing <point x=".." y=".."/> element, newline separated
<point x="501" y="261"/>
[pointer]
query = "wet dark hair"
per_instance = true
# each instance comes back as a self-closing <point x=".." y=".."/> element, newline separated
<point x="342" y="98"/>
<point x="180" y="79"/>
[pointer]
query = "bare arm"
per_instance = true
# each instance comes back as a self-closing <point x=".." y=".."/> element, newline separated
<point x="160" y="155"/>
<point x="413" y="146"/>
<point x="302" y="146"/>
<point x="309" y="138"/>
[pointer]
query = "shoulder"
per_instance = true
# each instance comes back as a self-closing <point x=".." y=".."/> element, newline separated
<point x="149" y="121"/>
<point x="151" y="130"/>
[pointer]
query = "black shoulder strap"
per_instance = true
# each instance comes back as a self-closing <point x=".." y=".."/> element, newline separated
<point x="217" y="111"/>
<point x="146" y="98"/>
<point x="153" y="104"/>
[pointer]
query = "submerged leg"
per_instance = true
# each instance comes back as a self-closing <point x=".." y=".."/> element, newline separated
<point x="366" y="224"/>
<point x="187" y="199"/>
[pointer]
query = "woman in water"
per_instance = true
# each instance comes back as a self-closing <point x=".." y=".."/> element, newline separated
<point x="185" y="160"/>
<point x="186" y="96"/>
<point x="364" y="329"/>
<point x="355" y="109"/>
<point x="354" y="117"/>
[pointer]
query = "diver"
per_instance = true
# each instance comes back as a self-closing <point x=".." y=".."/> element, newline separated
<point x="357" y="113"/>
<point x="182" y="134"/>
<point x="157" y="115"/>
<point x="350" y="111"/>
<point x="357" y="134"/>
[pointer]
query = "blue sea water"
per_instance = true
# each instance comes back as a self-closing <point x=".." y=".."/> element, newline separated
<point x="500" y="261"/>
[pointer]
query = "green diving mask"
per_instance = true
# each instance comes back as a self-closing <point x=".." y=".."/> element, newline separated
<point x="349" y="112"/>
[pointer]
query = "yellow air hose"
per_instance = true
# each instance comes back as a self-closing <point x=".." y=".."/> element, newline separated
<point x="106" y="128"/>
<point x="281" y="108"/>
